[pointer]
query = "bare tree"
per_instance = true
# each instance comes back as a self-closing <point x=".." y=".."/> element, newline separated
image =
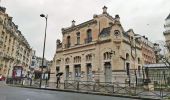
<point x="164" y="55"/>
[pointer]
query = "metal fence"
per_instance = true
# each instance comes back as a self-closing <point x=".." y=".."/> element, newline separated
<point x="159" y="91"/>
<point x="117" y="88"/>
<point x="26" y="82"/>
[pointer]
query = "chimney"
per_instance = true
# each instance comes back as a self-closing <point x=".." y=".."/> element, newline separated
<point x="104" y="10"/>
<point x="73" y="23"/>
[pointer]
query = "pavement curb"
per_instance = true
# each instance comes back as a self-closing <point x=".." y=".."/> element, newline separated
<point x="86" y="92"/>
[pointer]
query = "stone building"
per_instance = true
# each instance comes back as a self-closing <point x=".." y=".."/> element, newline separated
<point x="14" y="48"/>
<point x="148" y="51"/>
<point x="97" y="50"/>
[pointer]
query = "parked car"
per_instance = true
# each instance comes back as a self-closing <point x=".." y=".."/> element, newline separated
<point x="2" y="78"/>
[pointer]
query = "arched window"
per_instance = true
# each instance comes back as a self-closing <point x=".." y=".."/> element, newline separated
<point x="89" y="57"/>
<point x="107" y="55"/>
<point x="139" y="61"/>
<point x="89" y="36"/>
<point x="78" y="37"/>
<point x="67" y="61"/>
<point x="58" y="61"/>
<point x="127" y="57"/>
<point x="77" y="59"/>
<point x="68" y="42"/>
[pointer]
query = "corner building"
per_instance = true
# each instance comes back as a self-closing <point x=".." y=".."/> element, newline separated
<point x="14" y="48"/>
<point x="97" y="50"/>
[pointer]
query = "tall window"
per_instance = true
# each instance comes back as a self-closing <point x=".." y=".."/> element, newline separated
<point x="127" y="57"/>
<point x="107" y="55"/>
<point x="139" y="61"/>
<point x="67" y="61"/>
<point x="127" y="64"/>
<point x="78" y="37"/>
<point x="89" y="36"/>
<point x="68" y="42"/>
<point x="77" y="59"/>
<point x="89" y="57"/>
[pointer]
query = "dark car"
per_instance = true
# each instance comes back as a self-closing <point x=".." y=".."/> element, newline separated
<point x="2" y="78"/>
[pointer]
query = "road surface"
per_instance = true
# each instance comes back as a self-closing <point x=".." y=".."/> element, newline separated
<point x="15" y="93"/>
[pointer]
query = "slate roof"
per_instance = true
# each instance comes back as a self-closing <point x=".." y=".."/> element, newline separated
<point x="105" y="31"/>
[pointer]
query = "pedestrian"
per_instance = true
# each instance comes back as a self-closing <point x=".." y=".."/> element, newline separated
<point x="58" y="80"/>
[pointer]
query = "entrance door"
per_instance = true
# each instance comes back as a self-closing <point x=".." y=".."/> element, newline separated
<point x="108" y="72"/>
<point x="67" y="72"/>
<point x="77" y="70"/>
<point x="89" y="72"/>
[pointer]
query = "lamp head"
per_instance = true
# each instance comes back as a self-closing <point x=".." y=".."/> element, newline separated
<point x="42" y="15"/>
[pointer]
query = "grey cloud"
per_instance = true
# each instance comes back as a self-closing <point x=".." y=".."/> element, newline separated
<point x="134" y="14"/>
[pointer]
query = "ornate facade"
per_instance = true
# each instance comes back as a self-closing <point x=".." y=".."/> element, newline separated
<point x="97" y="50"/>
<point x="14" y="48"/>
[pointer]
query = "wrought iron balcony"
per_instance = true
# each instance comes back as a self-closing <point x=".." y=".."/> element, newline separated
<point x="88" y="40"/>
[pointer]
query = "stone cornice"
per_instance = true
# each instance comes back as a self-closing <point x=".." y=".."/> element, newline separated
<point x="84" y="45"/>
<point x="70" y="29"/>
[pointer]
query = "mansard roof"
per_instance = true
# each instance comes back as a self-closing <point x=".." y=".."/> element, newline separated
<point x="105" y="31"/>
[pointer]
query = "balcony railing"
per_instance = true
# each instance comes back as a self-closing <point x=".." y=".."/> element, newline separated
<point x="88" y="40"/>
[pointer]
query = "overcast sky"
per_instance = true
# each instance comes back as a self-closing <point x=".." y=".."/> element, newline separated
<point x="145" y="17"/>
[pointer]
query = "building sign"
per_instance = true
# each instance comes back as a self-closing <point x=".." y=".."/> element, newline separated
<point x="17" y="72"/>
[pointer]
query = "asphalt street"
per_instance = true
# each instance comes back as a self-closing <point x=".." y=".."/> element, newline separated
<point x="15" y="93"/>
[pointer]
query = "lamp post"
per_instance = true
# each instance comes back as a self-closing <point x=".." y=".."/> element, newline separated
<point x="46" y="17"/>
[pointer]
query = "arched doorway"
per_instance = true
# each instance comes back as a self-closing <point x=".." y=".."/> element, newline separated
<point x="67" y="72"/>
<point x="77" y="71"/>
<point x="89" y="72"/>
<point x="108" y="72"/>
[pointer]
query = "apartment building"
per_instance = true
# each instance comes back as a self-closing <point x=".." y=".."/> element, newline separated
<point x="14" y="48"/>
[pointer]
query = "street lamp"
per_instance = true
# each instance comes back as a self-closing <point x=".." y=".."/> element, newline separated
<point x="46" y="17"/>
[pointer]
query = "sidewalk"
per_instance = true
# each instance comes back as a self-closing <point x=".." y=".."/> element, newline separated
<point x="85" y="92"/>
